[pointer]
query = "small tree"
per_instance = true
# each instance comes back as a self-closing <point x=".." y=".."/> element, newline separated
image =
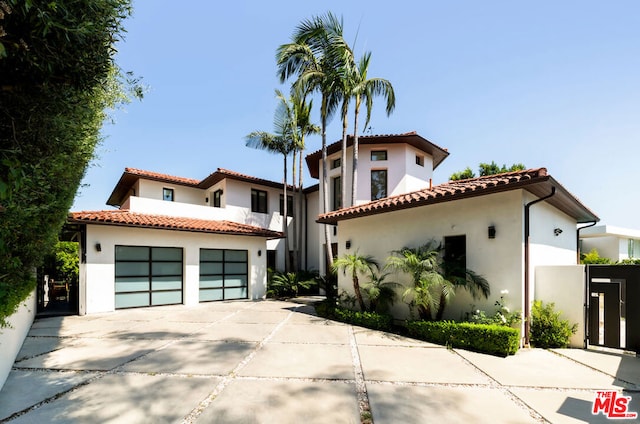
<point x="548" y="330"/>
<point x="381" y="293"/>
<point x="356" y="264"/>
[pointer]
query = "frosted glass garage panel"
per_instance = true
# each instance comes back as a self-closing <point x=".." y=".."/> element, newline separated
<point x="166" y="268"/>
<point x="132" y="284"/>
<point x="131" y="268"/>
<point x="166" y="283"/>
<point x="235" y="255"/>
<point x="235" y="293"/>
<point x="210" y="295"/>
<point x="233" y="268"/>
<point x="211" y="281"/>
<point x="167" y="254"/>
<point x="211" y="255"/>
<point x="166" y="298"/>
<point x="211" y="268"/>
<point x="132" y="253"/>
<point x="132" y="300"/>
<point x="235" y="280"/>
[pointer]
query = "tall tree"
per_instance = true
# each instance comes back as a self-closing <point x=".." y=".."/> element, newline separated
<point x="283" y="141"/>
<point x="314" y="56"/>
<point x="485" y="169"/>
<point x="364" y="89"/>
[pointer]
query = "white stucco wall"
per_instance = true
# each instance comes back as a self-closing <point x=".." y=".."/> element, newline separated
<point x="182" y="194"/>
<point x="499" y="260"/>
<point x="607" y="246"/>
<point x="564" y="286"/>
<point x="11" y="338"/>
<point x="313" y="232"/>
<point x="97" y="276"/>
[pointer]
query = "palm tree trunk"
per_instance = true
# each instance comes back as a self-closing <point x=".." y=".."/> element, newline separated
<point x="294" y="236"/>
<point x="354" y="171"/>
<point x="302" y="216"/>
<point x="343" y="163"/>
<point x="356" y="289"/>
<point x="325" y="186"/>
<point x="441" y="306"/>
<point x="287" y="262"/>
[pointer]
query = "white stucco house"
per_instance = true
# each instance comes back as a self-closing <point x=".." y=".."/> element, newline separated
<point x="185" y="241"/>
<point x="611" y="242"/>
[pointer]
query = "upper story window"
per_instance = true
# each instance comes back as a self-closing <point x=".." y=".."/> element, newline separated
<point x="289" y="205"/>
<point x="378" y="184"/>
<point x="378" y="155"/>
<point x="419" y="160"/>
<point x="258" y="201"/>
<point x="167" y="194"/>
<point x="337" y="193"/>
<point x="217" y="199"/>
<point x="336" y="163"/>
<point x="634" y="248"/>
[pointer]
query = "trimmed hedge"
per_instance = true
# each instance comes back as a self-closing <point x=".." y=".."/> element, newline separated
<point x="493" y="339"/>
<point x="371" y="320"/>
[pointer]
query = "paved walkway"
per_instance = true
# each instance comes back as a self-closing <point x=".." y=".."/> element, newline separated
<point x="276" y="362"/>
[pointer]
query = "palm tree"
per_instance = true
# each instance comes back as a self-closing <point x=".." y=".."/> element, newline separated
<point x="283" y="141"/>
<point x="381" y="293"/>
<point x="429" y="284"/>
<point x="315" y="56"/>
<point x="356" y="264"/>
<point x="365" y="89"/>
<point x="474" y="283"/>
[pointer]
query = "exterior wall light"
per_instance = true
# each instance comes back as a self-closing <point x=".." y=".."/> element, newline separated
<point x="557" y="231"/>
<point x="259" y="252"/>
<point x="348" y="244"/>
<point x="98" y="247"/>
<point x="491" y="231"/>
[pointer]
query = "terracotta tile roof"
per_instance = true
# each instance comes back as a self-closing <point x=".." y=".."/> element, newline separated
<point x="126" y="218"/>
<point x="161" y="177"/>
<point x="530" y="179"/>
<point x="222" y="173"/>
<point x="412" y="138"/>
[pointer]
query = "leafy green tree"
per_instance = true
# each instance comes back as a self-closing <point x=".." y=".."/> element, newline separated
<point x="365" y="89"/>
<point x="594" y="258"/>
<point x="57" y="77"/>
<point x="356" y="264"/>
<point x="485" y="169"/>
<point x="314" y="56"/>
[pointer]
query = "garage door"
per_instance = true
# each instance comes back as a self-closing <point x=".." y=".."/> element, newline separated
<point x="148" y="276"/>
<point x="223" y="274"/>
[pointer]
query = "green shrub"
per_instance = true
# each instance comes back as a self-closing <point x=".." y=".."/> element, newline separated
<point x="371" y="320"/>
<point x="493" y="339"/>
<point x="289" y="284"/>
<point x="547" y="329"/>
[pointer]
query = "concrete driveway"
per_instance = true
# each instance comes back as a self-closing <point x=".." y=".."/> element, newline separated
<point x="276" y="362"/>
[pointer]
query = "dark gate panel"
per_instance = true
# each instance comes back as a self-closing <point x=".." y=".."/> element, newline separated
<point x="622" y="298"/>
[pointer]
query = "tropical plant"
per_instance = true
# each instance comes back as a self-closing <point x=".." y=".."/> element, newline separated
<point x="423" y="264"/>
<point x="365" y="89"/>
<point x="356" y="264"/>
<point x="548" y="330"/>
<point x="381" y="294"/>
<point x="594" y="258"/>
<point x="314" y="56"/>
<point x="466" y="279"/>
<point x="289" y="284"/>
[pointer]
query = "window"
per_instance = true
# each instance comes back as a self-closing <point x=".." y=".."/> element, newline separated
<point x="455" y="255"/>
<point x="258" y="201"/>
<point x="272" y="257"/>
<point x="419" y="160"/>
<point x="167" y="194"/>
<point x="217" y="199"/>
<point x="336" y="163"/>
<point x="147" y="276"/>
<point x="289" y="205"/>
<point x="378" y="184"/>
<point x="634" y="248"/>
<point x="378" y="155"/>
<point x="337" y="193"/>
<point x="223" y="274"/>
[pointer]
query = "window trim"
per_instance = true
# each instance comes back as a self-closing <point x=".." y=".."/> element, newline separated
<point x="168" y="191"/>
<point x="258" y="206"/>
<point x="217" y="199"/>
<point x="420" y="160"/>
<point x="336" y="163"/>
<point x="386" y="184"/>
<point x="376" y="153"/>
<point x="289" y="205"/>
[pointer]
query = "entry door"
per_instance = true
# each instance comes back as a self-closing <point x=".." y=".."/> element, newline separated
<point x="604" y="314"/>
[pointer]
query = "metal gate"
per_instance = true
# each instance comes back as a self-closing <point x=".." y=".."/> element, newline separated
<point x="613" y="306"/>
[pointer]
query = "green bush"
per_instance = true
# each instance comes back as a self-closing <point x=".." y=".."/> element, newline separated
<point x="493" y="339"/>
<point x="371" y="320"/>
<point x="289" y="284"/>
<point x="547" y="329"/>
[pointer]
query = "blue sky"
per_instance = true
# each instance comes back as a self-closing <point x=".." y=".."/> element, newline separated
<point x="545" y="83"/>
